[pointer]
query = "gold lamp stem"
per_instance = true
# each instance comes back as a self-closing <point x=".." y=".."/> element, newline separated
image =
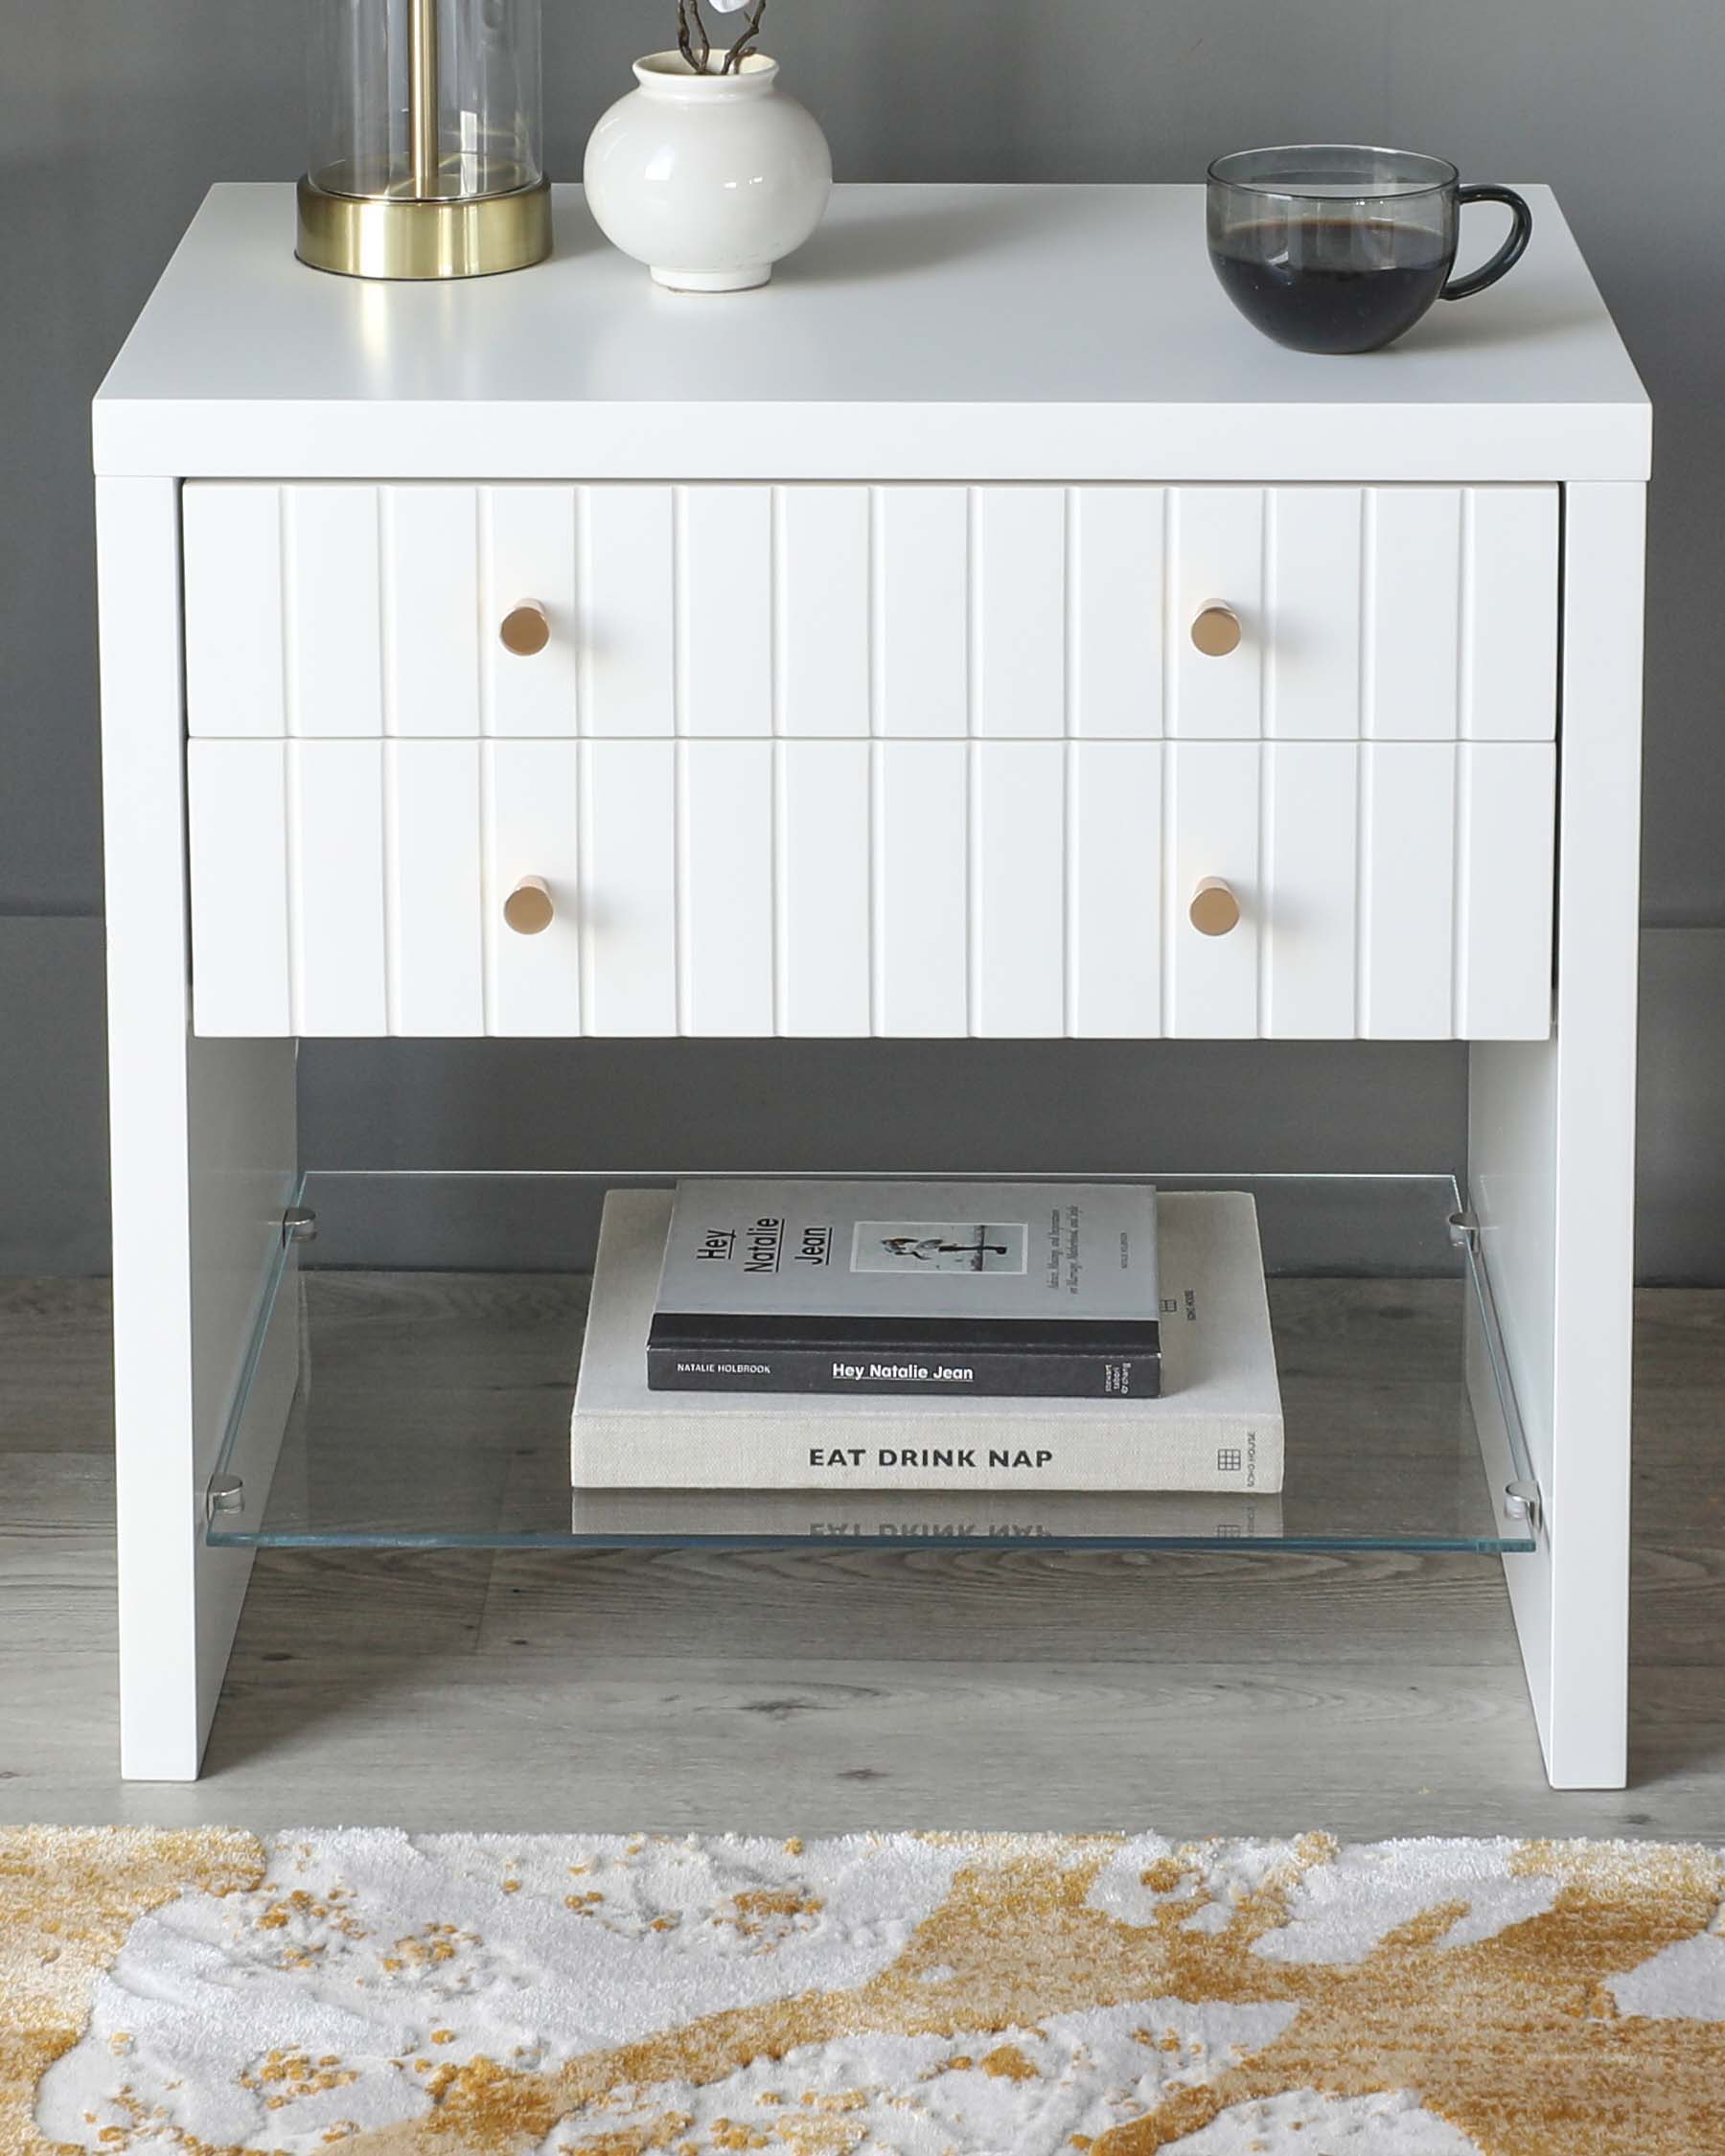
<point x="421" y="97"/>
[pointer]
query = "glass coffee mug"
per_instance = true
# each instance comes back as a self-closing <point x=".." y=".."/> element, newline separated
<point x="1330" y="247"/>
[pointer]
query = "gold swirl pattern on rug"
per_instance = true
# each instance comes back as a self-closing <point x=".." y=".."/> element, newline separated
<point x="927" y="1996"/>
<point x="68" y="1898"/>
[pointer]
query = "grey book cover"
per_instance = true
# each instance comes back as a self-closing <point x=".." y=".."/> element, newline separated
<point x="994" y="1289"/>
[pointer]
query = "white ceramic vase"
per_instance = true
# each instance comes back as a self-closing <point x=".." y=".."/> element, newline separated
<point x="710" y="179"/>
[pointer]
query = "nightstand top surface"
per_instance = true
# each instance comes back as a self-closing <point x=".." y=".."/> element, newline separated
<point x="965" y="333"/>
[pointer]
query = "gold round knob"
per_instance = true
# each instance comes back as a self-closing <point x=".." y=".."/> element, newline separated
<point x="1214" y="909"/>
<point x="525" y="631"/>
<point x="1217" y="632"/>
<point x="528" y="909"/>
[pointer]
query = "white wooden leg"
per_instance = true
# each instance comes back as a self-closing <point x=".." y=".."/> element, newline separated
<point x="203" y="1155"/>
<point x="1552" y="1172"/>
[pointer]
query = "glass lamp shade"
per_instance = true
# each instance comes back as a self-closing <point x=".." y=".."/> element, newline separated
<point x="424" y="138"/>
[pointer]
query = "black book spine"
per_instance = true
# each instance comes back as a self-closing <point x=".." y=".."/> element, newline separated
<point x="990" y="1373"/>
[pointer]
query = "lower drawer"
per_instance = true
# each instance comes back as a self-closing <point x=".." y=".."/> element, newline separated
<point x="1383" y="890"/>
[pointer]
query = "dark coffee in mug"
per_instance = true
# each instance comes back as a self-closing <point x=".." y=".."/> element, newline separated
<point x="1332" y="247"/>
<point x="1328" y="284"/>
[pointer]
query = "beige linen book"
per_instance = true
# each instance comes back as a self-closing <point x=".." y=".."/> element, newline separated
<point x="1217" y="1427"/>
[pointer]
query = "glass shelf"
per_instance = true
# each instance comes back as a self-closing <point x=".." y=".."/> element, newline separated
<point x="430" y="1407"/>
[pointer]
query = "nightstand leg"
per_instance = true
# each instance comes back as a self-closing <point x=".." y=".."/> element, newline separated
<point x="203" y="1137"/>
<point x="1551" y="1172"/>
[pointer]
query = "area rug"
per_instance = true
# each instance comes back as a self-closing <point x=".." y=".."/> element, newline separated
<point x="391" y="1994"/>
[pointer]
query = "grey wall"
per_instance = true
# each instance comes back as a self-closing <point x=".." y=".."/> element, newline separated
<point x="114" y="119"/>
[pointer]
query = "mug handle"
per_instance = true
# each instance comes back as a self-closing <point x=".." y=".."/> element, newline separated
<point x="1507" y="255"/>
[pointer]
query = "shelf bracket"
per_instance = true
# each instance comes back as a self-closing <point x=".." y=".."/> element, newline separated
<point x="299" y="1224"/>
<point x="1521" y="1503"/>
<point x="225" y="1495"/>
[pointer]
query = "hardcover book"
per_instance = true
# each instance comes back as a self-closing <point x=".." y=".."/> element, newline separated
<point x="1217" y="1427"/>
<point x="931" y="1289"/>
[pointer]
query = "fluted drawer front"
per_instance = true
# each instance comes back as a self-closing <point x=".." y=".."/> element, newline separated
<point x="913" y="888"/>
<point x="848" y="613"/>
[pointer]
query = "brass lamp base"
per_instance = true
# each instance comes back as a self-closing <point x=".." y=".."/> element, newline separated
<point x="372" y="236"/>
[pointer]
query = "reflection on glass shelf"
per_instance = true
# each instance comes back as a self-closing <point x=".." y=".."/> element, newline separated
<point x="431" y="1407"/>
<point x="911" y="1516"/>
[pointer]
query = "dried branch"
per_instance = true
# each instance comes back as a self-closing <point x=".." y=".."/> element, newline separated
<point x="698" y="63"/>
<point x="740" y="51"/>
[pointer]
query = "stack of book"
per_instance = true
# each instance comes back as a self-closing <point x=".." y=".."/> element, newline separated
<point x="868" y="1337"/>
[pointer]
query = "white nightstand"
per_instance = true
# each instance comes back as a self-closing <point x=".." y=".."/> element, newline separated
<point x="475" y="664"/>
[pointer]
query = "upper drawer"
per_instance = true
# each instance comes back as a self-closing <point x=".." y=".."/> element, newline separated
<point x="1394" y="613"/>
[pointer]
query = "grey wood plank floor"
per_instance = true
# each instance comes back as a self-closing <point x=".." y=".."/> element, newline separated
<point x="847" y="1690"/>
